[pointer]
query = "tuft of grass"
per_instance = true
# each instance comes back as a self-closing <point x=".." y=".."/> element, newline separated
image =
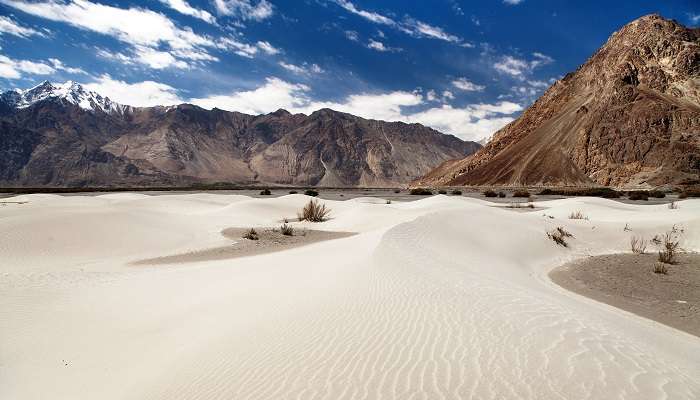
<point x="287" y="230"/>
<point x="520" y="205"/>
<point x="313" y="211"/>
<point x="489" y="193"/>
<point x="265" y="192"/>
<point x="311" y="192"/>
<point x="577" y="215"/>
<point x="660" y="268"/>
<point x="388" y="202"/>
<point x="421" y="192"/>
<point x="251" y="235"/>
<point x="672" y="205"/>
<point x="558" y="235"/>
<point x="293" y="192"/>
<point x="638" y="244"/>
<point x="521" y="193"/>
<point x="456" y="192"/>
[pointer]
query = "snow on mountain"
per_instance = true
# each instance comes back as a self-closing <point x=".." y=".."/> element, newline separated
<point x="70" y="91"/>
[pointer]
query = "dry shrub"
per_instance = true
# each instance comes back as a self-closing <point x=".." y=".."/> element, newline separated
<point x="559" y="235"/>
<point x="520" y="205"/>
<point x="311" y="192"/>
<point x="660" y="268"/>
<point x="456" y="192"/>
<point x="251" y="235"/>
<point x="489" y="193"/>
<point x="521" y="193"/>
<point x="639" y="195"/>
<point x="638" y="244"/>
<point x="421" y="192"/>
<point x="672" y="205"/>
<point x="501" y="194"/>
<point x="669" y="247"/>
<point x="287" y="230"/>
<point x="265" y="192"/>
<point x="577" y="215"/>
<point x="313" y="211"/>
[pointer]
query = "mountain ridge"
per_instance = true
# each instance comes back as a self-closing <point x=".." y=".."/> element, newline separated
<point x="629" y="116"/>
<point x="64" y="135"/>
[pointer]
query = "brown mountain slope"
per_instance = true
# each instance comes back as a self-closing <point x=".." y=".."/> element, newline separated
<point x="630" y="116"/>
<point x="56" y="142"/>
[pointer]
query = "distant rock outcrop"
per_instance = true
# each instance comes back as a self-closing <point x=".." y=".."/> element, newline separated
<point x="64" y="135"/>
<point x="630" y="116"/>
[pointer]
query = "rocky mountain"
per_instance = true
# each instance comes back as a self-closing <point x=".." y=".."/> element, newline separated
<point x="64" y="135"/>
<point x="629" y="116"/>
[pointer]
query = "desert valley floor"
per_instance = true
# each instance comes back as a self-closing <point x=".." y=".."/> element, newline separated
<point x="439" y="298"/>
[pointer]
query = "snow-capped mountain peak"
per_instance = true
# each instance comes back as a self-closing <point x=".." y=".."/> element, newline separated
<point x="71" y="92"/>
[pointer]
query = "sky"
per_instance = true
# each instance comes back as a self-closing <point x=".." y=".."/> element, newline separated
<point x="462" y="67"/>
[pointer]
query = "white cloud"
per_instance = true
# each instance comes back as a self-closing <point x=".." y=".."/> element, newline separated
<point x="352" y="35"/>
<point x="267" y="48"/>
<point x="694" y="18"/>
<point x="274" y="94"/>
<point x="448" y="95"/>
<point x="371" y="16"/>
<point x="58" y="64"/>
<point x="518" y="67"/>
<point x="472" y="122"/>
<point x="467" y="86"/>
<point x="11" y="27"/>
<point x="245" y="9"/>
<point x="304" y="69"/>
<point x="141" y="94"/>
<point x="431" y="95"/>
<point x="379" y="46"/>
<point x="408" y="25"/>
<point x="153" y="38"/>
<point x="513" y="2"/>
<point x="183" y="7"/>
<point x="14" y="69"/>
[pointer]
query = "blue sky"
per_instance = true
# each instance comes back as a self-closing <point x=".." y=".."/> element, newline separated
<point x="462" y="67"/>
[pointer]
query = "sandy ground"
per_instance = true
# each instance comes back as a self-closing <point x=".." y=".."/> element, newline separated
<point x="440" y="298"/>
<point x="627" y="281"/>
<point x="269" y="240"/>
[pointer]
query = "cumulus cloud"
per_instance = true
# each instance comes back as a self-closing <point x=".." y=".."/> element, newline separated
<point x="245" y="9"/>
<point x="467" y="86"/>
<point x="140" y="94"/>
<point x="15" y="69"/>
<point x="183" y="7"/>
<point x="11" y="27"/>
<point x="471" y="122"/>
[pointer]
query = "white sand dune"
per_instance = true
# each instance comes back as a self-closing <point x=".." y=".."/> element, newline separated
<point x="441" y="298"/>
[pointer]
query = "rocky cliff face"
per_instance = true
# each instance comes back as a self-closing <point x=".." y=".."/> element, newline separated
<point x="630" y="116"/>
<point x="62" y="135"/>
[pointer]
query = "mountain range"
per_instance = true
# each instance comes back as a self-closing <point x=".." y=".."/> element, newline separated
<point x="628" y="117"/>
<point x="64" y="135"/>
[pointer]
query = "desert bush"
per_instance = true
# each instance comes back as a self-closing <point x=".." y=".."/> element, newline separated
<point x="293" y="192"/>
<point x="639" y="195"/>
<point x="520" y="205"/>
<point x="457" y="192"/>
<point x="287" y="230"/>
<point x="638" y="244"/>
<point x="657" y="194"/>
<point x="397" y="190"/>
<point x="501" y="195"/>
<point x="311" y="192"/>
<point x="673" y="205"/>
<point x="388" y="202"/>
<point x="521" y="193"/>
<point x="545" y="192"/>
<point x="442" y="191"/>
<point x="251" y="235"/>
<point x="559" y="235"/>
<point x="313" y="211"/>
<point x="669" y="247"/>
<point x="683" y="195"/>
<point x="660" y="268"/>
<point x="265" y="192"/>
<point x="421" y="192"/>
<point x="577" y="215"/>
<point x="489" y="193"/>
<point x="592" y="192"/>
